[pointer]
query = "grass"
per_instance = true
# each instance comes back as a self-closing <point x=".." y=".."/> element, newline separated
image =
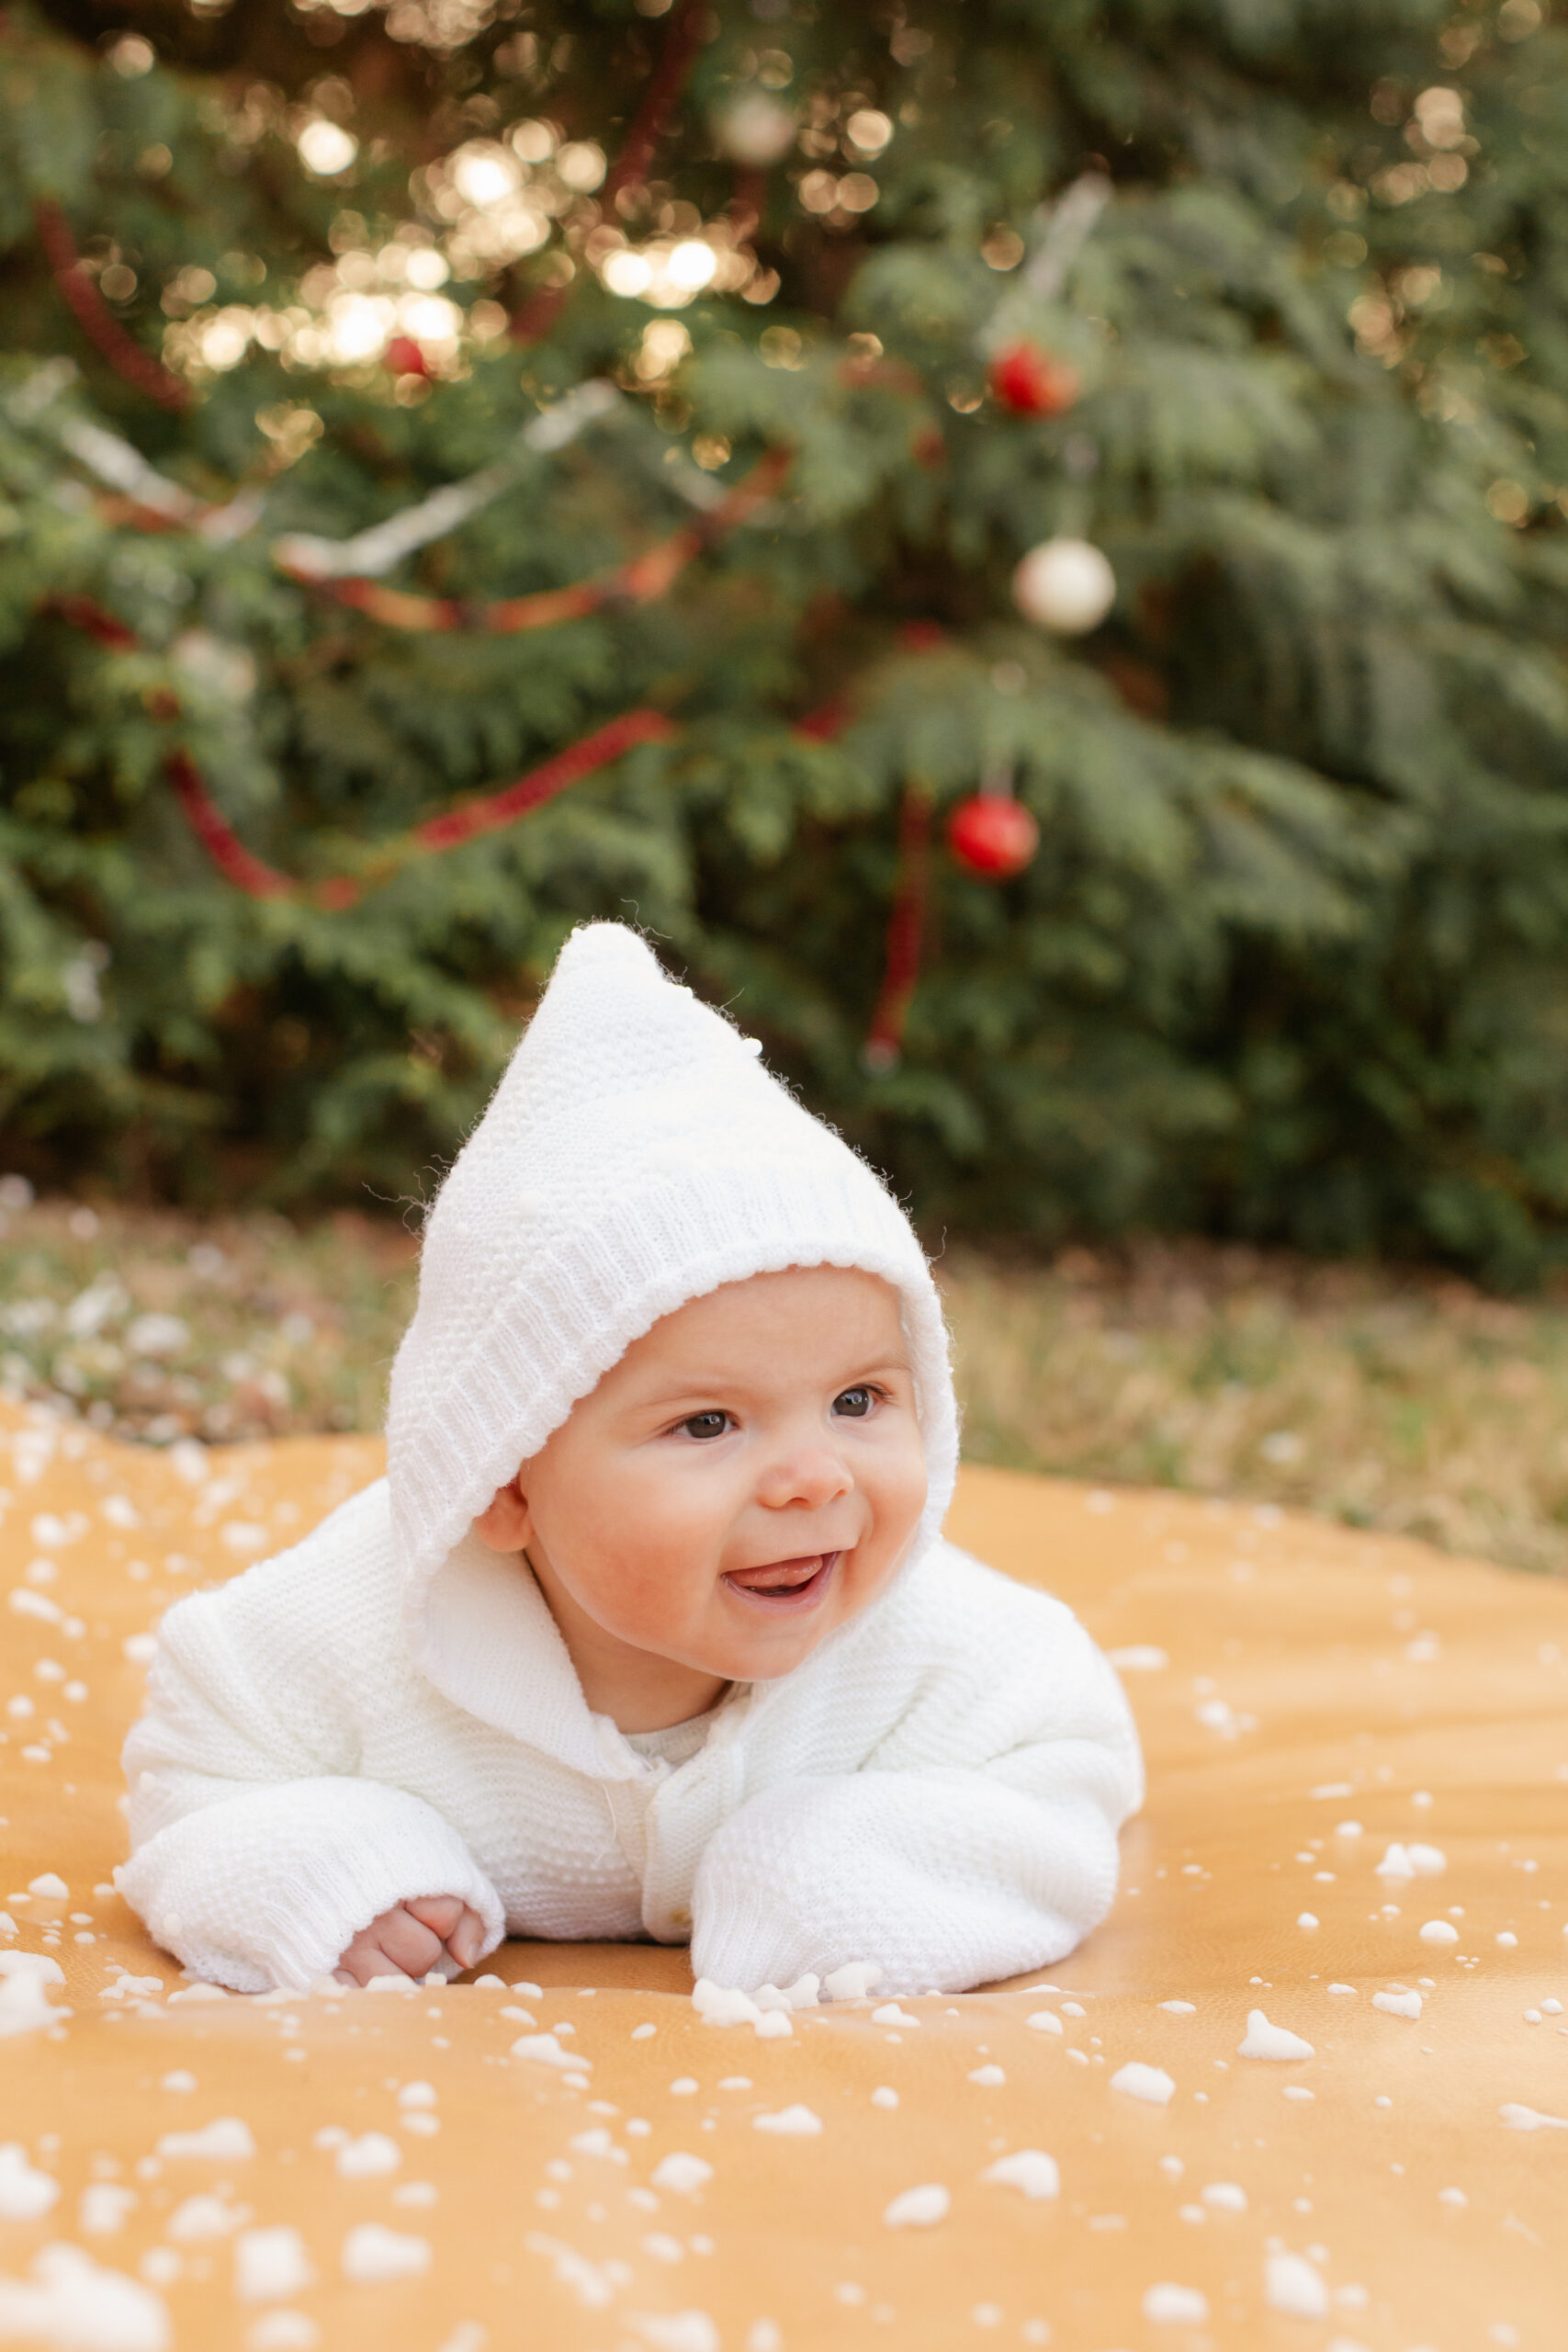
<point x="1401" y="1400"/>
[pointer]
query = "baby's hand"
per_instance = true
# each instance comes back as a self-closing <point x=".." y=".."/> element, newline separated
<point x="410" y="1938"/>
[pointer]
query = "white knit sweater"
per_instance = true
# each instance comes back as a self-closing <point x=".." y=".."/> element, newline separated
<point x="937" y="1789"/>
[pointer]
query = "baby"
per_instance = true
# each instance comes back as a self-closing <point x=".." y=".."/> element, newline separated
<point x="649" y="1629"/>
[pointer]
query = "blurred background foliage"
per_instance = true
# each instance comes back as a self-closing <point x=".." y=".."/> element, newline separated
<point x="1289" y="964"/>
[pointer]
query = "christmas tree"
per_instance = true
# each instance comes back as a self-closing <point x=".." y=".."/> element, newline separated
<point x="1023" y="539"/>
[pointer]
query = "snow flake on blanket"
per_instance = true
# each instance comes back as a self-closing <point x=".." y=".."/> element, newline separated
<point x="1264" y="2040"/>
<point x="1170" y="2305"/>
<point x="272" y="2263"/>
<point x="372" y="2254"/>
<point x="918" y="2208"/>
<point x="1029" y="2169"/>
<point x="595" y="2284"/>
<point x="1151" y="2083"/>
<point x="681" y="2174"/>
<point x="74" y="2304"/>
<point x="24" y="2193"/>
<point x="227" y="2140"/>
<point x="1293" y="2288"/>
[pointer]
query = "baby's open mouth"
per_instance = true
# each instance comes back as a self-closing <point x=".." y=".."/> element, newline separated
<point x="785" y="1584"/>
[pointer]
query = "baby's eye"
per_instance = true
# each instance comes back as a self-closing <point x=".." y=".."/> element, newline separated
<point x="856" y="1403"/>
<point x="705" y="1424"/>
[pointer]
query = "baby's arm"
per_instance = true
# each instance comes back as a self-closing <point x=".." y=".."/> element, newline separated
<point x="259" y="1856"/>
<point x="978" y="1841"/>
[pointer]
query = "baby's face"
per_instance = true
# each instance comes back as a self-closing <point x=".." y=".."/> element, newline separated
<point x="745" y="1479"/>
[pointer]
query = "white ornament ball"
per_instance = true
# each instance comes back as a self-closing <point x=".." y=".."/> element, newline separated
<point x="756" y="130"/>
<point x="1064" y="585"/>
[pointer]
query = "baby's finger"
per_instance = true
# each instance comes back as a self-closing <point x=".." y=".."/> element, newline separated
<point x="406" y="1944"/>
<point x="363" y="1960"/>
<point x="440" y="1913"/>
<point x="466" y="1941"/>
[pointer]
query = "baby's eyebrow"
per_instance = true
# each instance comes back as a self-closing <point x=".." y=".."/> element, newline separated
<point x="703" y="1387"/>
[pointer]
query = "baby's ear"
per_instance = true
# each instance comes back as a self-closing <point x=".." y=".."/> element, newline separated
<point x="505" y="1523"/>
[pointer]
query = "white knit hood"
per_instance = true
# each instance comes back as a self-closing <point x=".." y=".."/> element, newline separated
<point x="635" y="1154"/>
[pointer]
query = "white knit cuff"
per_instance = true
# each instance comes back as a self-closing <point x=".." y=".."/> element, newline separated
<point x="270" y="1887"/>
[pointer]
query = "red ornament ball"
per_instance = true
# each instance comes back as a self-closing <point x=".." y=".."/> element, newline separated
<point x="992" y="834"/>
<point x="404" y="357"/>
<point x="1030" y="382"/>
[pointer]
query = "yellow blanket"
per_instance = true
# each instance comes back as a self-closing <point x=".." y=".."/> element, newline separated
<point x="1112" y="2157"/>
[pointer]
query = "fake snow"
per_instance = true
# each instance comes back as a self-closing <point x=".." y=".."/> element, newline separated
<point x="365" y="2158"/>
<point x="1395" y="1863"/>
<point x="1306" y="1919"/>
<point x="1293" y="2288"/>
<point x="852" y="1982"/>
<point x="202" y="2217"/>
<point x="884" y="2095"/>
<point x="103" y="2208"/>
<point x="1149" y="2083"/>
<point x="49" y="1888"/>
<point x="773" y="2025"/>
<point x="1045" y="2021"/>
<point x="789" y="2122"/>
<point x="1029" y="2169"/>
<point x="891" y="2013"/>
<point x="283" y="2332"/>
<point x="372" y="2254"/>
<point x="1176" y="2306"/>
<point x="989" y="2077"/>
<point x="1224" y="2195"/>
<point x="546" y="2051"/>
<point x="23" y="2193"/>
<point x="1439" y="1931"/>
<point x="1526" y="2119"/>
<point x="682" y="2174"/>
<point x="417" y="2095"/>
<point x="593" y="2283"/>
<point x="1264" y="2040"/>
<point x="1398" y="2005"/>
<point x="1179" y="2009"/>
<point x="676" y="2331"/>
<point x="224" y="2141"/>
<point x="24" y="2007"/>
<point x="1343" y="1988"/>
<point x="918" y="2208"/>
<point x="1427" y="1862"/>
<point x="724" y="2004"/>
<point x="270" y="2264"/>
<point x="74" y="2304"/>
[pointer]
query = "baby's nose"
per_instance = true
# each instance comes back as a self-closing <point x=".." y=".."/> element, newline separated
<point x="812" y="1476"/>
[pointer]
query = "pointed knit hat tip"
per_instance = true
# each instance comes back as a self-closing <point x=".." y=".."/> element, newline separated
<point x="636" y="1155"/>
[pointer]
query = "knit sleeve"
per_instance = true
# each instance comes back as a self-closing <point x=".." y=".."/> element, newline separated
<point x="989" y="1848"/>
<point x="258" y="1852"/>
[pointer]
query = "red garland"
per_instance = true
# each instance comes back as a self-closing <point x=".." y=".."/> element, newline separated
<point x="449" y="830"/>
<point x="642" y="580"/>
<point x="122" y="351"/>
<point x="906" y="923"/>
